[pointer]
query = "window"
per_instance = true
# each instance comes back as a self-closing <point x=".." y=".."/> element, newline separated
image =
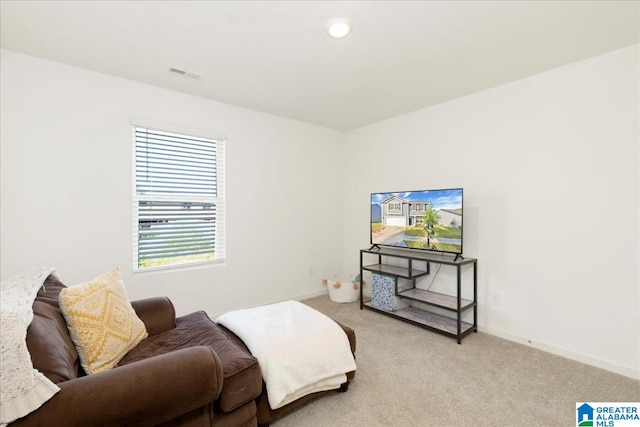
<point x="178" y="199"/>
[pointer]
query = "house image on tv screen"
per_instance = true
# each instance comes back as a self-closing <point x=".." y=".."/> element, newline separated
<point x="430" y="220"/>
<point x="402" y="213"/>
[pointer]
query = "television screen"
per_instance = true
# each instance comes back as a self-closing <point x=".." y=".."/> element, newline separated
<point x="428" y="220"/>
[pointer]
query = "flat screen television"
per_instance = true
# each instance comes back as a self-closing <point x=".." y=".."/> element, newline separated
<point x="428" y="220"/>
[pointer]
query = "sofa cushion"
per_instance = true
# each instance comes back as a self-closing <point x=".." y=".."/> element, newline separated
<point x="50" y="291"/>
<point x="52" y="351"/>
<point x="264" y="412"/>
<point x="242" y="378"/>
<point x="102" y="324"/>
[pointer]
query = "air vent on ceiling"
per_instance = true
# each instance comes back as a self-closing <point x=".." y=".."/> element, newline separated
<point x="187" y="74"/>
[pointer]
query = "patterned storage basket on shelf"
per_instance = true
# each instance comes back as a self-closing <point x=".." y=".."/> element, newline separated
<point x="383" y="294"/>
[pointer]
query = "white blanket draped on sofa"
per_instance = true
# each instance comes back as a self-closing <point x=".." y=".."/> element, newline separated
<point x="24" y="389"/>
<point x="300" y="350"/>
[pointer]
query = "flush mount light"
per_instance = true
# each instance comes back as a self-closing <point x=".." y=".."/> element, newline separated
<point x="338" y="27"/>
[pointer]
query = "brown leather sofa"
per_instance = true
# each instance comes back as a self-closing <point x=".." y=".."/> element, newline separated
<point x="188" y="372"/>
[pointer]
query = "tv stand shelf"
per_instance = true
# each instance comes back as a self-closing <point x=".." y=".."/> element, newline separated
<point x="427" y="320"/>
<point x="450" y="326"/>
<point x="392" y="270"/>
<point x="436" y="299"/>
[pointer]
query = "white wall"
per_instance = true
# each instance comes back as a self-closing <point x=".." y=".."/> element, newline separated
<point x="549" y="165"/>
<point x="66" y="187"/>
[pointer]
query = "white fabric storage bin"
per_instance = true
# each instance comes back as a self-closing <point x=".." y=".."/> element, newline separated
<point x="343" y="289"/>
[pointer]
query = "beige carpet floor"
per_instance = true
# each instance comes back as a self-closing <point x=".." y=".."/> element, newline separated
<point x="409" y="376"/>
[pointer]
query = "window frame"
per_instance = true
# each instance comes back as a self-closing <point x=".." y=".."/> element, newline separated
<point x="219" y="244"/>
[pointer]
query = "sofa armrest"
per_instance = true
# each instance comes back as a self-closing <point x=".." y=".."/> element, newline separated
<point x="147" y="392"/>
<point x="158" y="314"/>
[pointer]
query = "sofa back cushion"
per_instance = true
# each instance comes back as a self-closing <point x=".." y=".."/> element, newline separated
<point x="52" y="351"/>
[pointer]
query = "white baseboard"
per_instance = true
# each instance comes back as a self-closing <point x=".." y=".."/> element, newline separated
<point x="612" y="367"/>
<point x="311" y="294"/>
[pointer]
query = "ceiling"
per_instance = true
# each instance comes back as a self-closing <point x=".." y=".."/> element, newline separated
<point x="275" y="57"/>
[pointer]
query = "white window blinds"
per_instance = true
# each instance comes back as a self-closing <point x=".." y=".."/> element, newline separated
<point x="178" y="200"/>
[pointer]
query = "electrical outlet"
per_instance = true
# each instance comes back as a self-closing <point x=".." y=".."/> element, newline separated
<point x="494" y="298"/>
<point x="310" y="271"/>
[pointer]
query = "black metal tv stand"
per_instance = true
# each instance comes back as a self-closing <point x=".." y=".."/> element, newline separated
<point x="451" y="326"/>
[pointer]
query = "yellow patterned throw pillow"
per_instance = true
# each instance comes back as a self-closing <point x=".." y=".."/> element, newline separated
<point x="102" y="324"/>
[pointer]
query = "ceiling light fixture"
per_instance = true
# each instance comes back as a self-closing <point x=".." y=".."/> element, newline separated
<point x="338" y="28"/>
